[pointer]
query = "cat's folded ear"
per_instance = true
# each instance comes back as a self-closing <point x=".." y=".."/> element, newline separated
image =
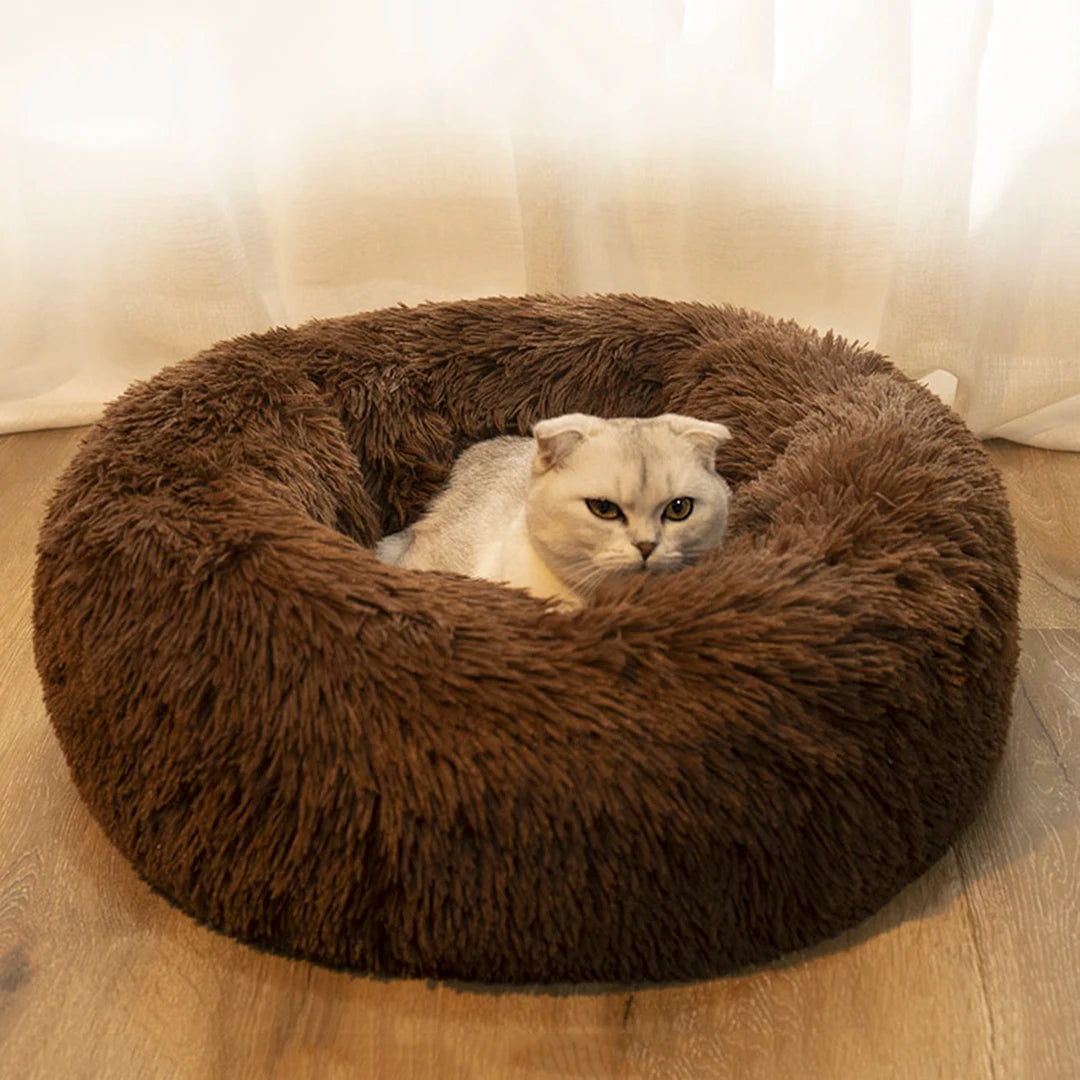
<point x="702" y="434"/>
<point x="557" y="437"/>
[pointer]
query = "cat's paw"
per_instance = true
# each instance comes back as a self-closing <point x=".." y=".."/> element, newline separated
<point x="392" y="549"/>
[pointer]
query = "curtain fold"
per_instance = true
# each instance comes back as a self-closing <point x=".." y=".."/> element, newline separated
<point x="902" y="171"/>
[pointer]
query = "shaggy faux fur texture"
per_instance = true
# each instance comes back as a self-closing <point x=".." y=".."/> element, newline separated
<point x="384" y="770"/>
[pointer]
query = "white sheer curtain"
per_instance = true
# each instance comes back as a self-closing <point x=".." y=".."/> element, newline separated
<point x="904" y="171"/>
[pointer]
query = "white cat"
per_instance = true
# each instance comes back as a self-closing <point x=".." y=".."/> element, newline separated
<point x="581" y="501"/>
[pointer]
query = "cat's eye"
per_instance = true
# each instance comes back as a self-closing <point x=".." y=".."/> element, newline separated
<point x="604" y="508"/>
<point x="679" y="509"/>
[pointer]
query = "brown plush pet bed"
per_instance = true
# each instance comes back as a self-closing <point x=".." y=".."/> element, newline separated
<point x="402" y="772"/>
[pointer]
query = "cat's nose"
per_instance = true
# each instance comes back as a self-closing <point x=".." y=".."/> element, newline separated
<point x="646" y="547"/>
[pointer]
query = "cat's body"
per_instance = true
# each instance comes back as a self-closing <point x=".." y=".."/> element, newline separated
<point x="585" y="499"/>
<point x="476" y="525"/>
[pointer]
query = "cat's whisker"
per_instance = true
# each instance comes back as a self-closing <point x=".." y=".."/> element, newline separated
<point x="588" y="580"/>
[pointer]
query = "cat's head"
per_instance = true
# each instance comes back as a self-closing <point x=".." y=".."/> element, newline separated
<point x="611" y="497"/>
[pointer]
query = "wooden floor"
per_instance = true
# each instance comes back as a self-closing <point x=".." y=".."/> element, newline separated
<point x="972" y="972"/>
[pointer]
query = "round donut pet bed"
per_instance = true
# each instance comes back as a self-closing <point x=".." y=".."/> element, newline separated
<point x="420" y="774"/>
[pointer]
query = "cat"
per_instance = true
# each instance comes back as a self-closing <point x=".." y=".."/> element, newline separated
<point x="582" y="501"/>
